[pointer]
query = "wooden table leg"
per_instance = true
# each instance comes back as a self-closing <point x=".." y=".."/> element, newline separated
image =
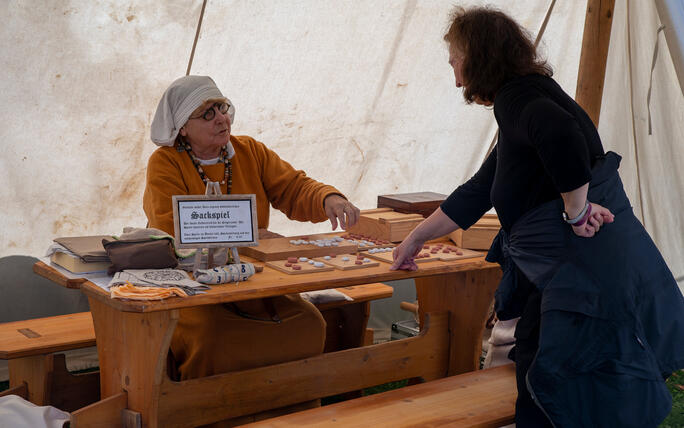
<point x="132" y="348"/>
<point x="346" y="326"/>
<point x="467" y="296"/>
<point x="33" y="371"/>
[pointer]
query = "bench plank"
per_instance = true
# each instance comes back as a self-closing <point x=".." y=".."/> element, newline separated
<point x="52" y="334"/>
<point x="484" y="398"/>
<point x="360" y="293"/>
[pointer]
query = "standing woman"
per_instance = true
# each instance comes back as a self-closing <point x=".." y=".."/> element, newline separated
<point x="602" y="318"/>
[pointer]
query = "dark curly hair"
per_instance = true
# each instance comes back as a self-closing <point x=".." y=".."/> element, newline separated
<point x="495" y="48"/>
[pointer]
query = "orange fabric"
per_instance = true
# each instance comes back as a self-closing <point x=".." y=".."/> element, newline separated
<point x="256" y="169"/>
<point x="213" y="339"/>
<point x="130" y="291"/>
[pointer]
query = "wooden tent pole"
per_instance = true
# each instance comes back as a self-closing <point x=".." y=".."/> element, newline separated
<point x="592" y="66"/>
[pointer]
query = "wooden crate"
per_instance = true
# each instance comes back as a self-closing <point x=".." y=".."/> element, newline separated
<point x="423" y="203"/>
<point x="385" y="223"/>
<point x="478" y="236"/>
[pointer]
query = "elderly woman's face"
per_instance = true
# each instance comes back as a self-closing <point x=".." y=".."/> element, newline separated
<point x="207" y="134"/>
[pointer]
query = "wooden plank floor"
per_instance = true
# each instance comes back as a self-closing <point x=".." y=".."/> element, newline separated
<point x="485" y="398"/>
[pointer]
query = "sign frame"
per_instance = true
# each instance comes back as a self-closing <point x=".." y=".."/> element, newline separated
<point x="250" y="198"/>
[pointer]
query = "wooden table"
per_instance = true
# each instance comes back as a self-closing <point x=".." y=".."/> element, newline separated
<point x="133" y="339"/>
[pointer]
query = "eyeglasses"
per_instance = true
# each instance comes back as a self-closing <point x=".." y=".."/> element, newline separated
<point x="210" y="113"/>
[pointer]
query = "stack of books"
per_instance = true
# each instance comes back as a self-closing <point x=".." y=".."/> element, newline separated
<point x="81" y="254"/>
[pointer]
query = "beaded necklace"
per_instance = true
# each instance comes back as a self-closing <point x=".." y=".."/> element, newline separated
<point x="223" y="157"/>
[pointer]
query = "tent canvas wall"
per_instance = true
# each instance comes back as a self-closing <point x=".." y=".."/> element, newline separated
<point x="358" y="94"/>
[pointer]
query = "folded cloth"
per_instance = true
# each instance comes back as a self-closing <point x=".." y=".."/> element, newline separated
<point x="503" y="332"/>
<point x="130" y="291"/>
<point x="88" y="248"/>
<point x="164" y="278"/>
<point x="222" y="274"/>
<point x="324" y="296"/>
<point x="17" y="412"/>
<point x="57" y="248"/>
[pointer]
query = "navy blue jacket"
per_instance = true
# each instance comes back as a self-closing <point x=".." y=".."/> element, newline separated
<point x="612" y="316"/>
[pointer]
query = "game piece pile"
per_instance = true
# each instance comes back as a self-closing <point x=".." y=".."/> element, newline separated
<point x="380" y="250"/>
<point x="328" y="242"/>
<point x="363" y="240"/>
<point x="292" y="262"/>
<point x="438" y="248"/>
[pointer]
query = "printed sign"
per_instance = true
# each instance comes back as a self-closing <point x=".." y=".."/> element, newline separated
<point x="215" y="221"/>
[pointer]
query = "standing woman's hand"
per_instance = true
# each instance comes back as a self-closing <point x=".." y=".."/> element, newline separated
<point x="405" y="253"/>
<point x="598" y="216"/>
<point x="438" y="224"/>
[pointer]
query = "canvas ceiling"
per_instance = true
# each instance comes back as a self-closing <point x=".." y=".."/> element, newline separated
<point x="357" y="93"/>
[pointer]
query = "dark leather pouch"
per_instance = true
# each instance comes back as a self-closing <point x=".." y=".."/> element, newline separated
<point x="143" y="254"/>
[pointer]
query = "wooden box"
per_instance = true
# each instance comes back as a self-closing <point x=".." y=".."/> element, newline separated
<point x="478" y="236"/>
<point x="385" y="223"/>
<point x="423" y="203"/>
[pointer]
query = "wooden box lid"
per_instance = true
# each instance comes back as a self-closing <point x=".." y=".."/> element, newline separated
<point x="423" y="203"/>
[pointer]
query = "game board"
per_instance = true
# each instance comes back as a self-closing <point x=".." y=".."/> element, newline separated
<point x="282" y="248"/>
<point x="432" y="252"/>
<point x="339" y="263"/>
<point x="304" y="266"/>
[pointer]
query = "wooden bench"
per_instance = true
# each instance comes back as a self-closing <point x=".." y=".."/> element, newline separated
<point x="40" y="376"/>
<point x="483" y="398"/>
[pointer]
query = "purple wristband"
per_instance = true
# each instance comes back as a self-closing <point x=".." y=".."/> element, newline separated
<point x="584" y="218"/>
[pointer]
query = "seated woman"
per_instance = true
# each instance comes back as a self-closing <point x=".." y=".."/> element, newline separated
<point x="192" y="127"/>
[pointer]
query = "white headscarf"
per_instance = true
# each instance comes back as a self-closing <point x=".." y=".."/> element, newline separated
<point x="177" y="104"/>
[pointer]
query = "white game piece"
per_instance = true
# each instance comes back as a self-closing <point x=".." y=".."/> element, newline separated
<point x="366" y="260"/>
<point x="362" y="244"/>
<point x="328" y="244"/>
<point x="320" y="244"/>
<point x="345" y="259"/>
<point x="326" y="258"/>
<point x="335" y="244"/>
<point x="318" y="264"/>
<point x="293" y="242"/>
<point x="303" y="259"/>
<point x="311" y="262"/>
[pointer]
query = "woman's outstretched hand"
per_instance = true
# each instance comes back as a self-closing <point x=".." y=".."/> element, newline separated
<point x="438" y="224"/>
<point x="599" y="215"/>
<point x="405" y="253"/>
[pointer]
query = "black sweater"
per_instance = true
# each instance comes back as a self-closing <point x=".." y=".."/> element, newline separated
<point x="546" y="146"/>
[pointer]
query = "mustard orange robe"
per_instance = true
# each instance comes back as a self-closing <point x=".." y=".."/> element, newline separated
<point x="216" y="339"/>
